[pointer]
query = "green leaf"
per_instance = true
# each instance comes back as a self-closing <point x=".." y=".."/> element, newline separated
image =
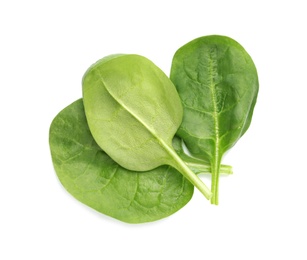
<point x="218" y="85"/>
<point x="133" y="111"/>
<point x="93" y="178"/>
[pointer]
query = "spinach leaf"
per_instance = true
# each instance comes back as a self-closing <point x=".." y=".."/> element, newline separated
<point x="93" y="178"/>
<point x="218" y="85"/>
<point x="133" y="111"/>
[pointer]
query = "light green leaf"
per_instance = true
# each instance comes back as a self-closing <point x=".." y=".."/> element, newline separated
<point x="133" y="111"/>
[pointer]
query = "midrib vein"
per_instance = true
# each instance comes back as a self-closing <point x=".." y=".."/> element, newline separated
<point x="173" y="160"/>
<point x="212" y="72"/>
<point x="150" y="130"/>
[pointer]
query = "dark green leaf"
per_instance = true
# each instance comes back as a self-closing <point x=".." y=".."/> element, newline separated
<point x="218" y="85"/>
<point x="93" y="178"/>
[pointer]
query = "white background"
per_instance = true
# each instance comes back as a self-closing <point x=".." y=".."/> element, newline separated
<point x="45" y="48"/>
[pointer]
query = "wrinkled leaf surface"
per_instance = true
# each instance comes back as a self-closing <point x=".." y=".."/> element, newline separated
<point x="93" y="178"/>
<point x="218" y="84"/>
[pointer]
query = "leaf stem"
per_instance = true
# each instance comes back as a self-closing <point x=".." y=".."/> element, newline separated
<point x="204" y="168"/>
<point x="215" y="169"/>
<point x="191" y="176"/>
<point x="226" y="169"/>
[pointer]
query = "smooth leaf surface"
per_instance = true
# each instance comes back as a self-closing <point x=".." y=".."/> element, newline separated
<point x="218" y="84"/>
<point x="133" y="111"/>
<point x="93" y="178"/>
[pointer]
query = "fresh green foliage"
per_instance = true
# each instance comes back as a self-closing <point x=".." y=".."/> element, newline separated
<point x="93" y="178"/>
<point x="218" y="85"/>
<point x="133" y="111"/>
<point x="116" y="150"/>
